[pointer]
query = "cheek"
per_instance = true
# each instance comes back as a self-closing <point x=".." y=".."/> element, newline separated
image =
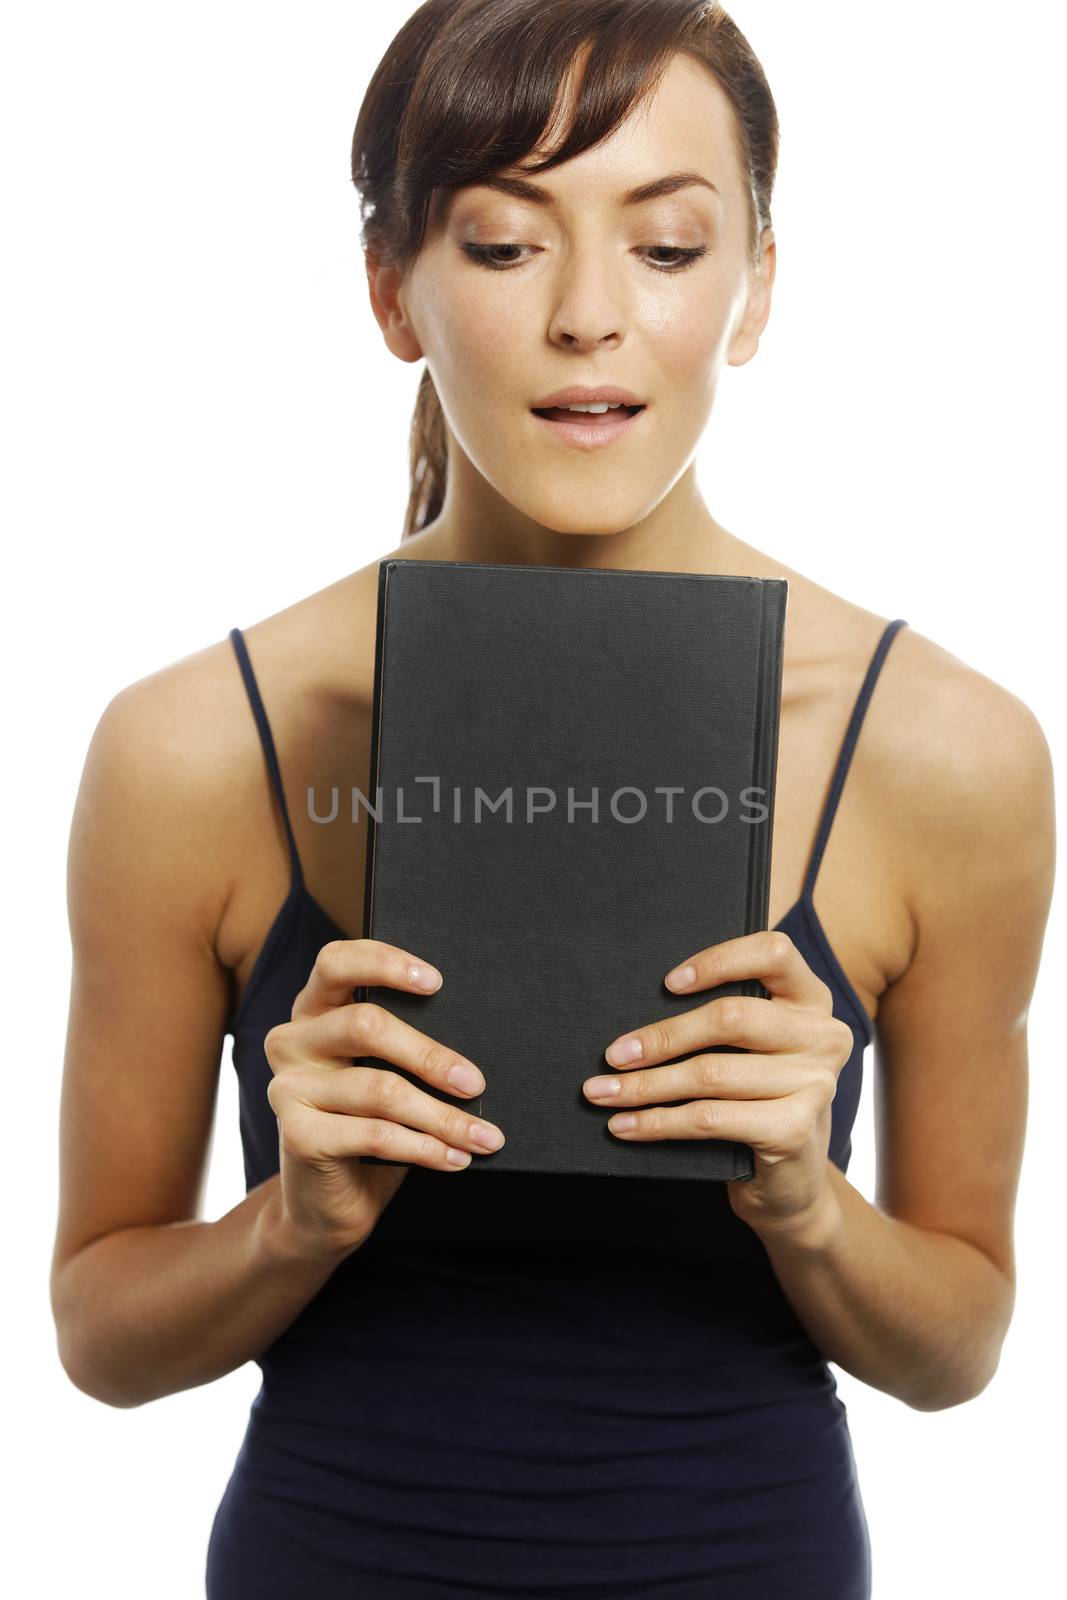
<point x="477" y="338"/>
<point x="687" y="332"/>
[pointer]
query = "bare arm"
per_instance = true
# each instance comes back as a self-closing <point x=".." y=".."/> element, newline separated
<point x="147" y="1299"/>
<point x="915" y="1294"/>
<point x="153" y="1310"/>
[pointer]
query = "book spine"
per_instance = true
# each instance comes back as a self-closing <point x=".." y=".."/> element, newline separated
<point x="764" y="769"/>
<point x="384" y="573"/>
<point x="765" y="760"/>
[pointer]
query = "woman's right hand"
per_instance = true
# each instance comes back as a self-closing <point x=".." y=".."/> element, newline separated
<point x="331" y="1111"/>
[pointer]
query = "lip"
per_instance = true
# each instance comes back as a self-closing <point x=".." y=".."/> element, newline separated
<point x="583" y="396"/>
<point x="592" y="435"/>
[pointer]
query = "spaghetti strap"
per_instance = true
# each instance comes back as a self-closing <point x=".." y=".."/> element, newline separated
<point x="847" y="747"/>
<point x="269" y="752"/>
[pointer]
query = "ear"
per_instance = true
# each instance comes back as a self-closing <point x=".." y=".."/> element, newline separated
<point x="746" y="337"/>
<point x="386" y="287"/>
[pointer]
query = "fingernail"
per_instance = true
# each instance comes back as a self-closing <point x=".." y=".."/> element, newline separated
<point x="599" y="1088"/>
<point x="424" y="977"/>
<point x="623" y="1050"/>
<point x="681" y="977"/>
<point x="467" y="1078"/>
<point x="488" y="1138"/>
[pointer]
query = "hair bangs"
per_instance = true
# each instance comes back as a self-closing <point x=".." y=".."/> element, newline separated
<point x="490" y="92"/>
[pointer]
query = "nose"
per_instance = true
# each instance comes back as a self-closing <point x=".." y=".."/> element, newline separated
<point x="587" y="312"/>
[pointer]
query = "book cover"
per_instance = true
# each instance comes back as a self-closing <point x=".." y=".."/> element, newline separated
<point x="571" y="790"/>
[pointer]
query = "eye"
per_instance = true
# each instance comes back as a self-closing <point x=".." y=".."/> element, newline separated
<point x="483" y="255"/>
<point x="687" y="256"/>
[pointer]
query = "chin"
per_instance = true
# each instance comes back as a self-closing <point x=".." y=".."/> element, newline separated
<point x="601" y="531"/>
<point x="595" y="519"/>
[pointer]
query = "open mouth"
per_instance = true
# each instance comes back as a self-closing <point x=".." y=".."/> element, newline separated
<point x="588" y="430"/>
<point x="584" y="418"/>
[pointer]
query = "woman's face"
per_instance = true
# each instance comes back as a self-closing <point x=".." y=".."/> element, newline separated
<point x="512" y="299"/>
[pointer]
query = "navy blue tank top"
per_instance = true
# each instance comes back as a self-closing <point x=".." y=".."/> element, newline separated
<point x="532" y="1385"/>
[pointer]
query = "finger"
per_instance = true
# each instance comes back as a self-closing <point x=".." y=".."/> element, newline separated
<point x="740" y="1120"/>
<point x="376" y="1095"/>
<point x="739" y="1020"/>
<point x="332" y="1136"/>
<point x="770" y="956"/>
<point x="343" y="965"/>
<point x="364" y="1028"/>
<point x="734" y="1077"/>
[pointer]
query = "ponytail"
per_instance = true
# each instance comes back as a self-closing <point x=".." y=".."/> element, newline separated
<point x="428" y="458"/>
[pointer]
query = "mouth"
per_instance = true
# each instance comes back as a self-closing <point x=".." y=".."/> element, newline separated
<point x="588" y="427"/>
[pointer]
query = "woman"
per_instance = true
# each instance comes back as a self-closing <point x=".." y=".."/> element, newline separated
<point x="570" y="1386"/>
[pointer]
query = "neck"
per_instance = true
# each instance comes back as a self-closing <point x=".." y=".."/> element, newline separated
<point x="678" y="535"/>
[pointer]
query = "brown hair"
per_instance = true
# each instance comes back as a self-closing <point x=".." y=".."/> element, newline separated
<point x="468" y="87"/>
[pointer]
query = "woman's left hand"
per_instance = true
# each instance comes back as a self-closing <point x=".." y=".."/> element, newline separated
<point x="776" y="1098"/>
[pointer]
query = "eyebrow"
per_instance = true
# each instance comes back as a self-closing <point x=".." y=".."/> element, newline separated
<point x="522" y="189"/>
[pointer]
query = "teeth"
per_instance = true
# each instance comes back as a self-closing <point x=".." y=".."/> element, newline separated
<point x="597" y="409"/>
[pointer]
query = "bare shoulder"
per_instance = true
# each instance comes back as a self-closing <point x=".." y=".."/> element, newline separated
<point x="947" y="824"/>
<point x="966" y="756"/>
<point x="174" y="774"/>
<point x="161" y="780"/>
<point x="183" y="738"/>
<point x="964" y="778"/>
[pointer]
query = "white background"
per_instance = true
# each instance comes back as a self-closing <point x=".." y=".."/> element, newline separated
<point x="202" y="425"/>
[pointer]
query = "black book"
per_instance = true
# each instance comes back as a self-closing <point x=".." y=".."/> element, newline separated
<point x="571" y="791"/>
